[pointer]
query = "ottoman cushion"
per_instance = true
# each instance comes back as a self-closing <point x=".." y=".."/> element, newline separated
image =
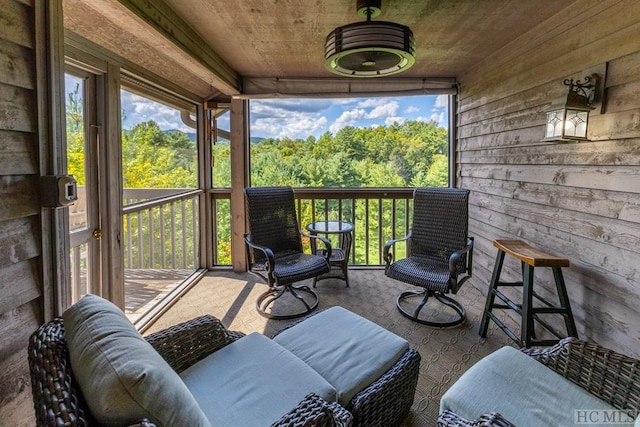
<point x="252" y="382"/>
<point x="349" y="351"/>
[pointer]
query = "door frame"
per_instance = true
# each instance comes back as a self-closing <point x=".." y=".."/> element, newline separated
<point x="90" y="235"/>
<point x="105" y="133"/>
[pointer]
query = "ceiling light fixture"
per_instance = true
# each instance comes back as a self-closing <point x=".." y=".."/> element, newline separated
<point x="370" y="48"/>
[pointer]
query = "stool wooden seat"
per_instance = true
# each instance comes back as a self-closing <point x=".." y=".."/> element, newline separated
<point x="529" y="257"/>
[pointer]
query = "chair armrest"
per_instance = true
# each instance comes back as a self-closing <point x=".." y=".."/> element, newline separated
<point x="386" y="252"/>
<point x="455" y="257"/>
<point x="184" y="344"/>
<point x="324" y="240"/>
<point x="314" y="411"/>
<point x="610" y="376"/>
<point x="268" y="253"/>
<point x="491" y="419"/>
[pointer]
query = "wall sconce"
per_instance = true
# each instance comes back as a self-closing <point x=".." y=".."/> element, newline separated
<point x="567" y="120"/>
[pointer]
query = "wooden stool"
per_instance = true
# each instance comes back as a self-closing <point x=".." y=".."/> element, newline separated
<point x="530" y="258"/>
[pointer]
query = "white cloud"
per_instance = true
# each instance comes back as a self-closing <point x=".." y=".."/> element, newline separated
<point x="347" y="118"/>
<point x="439" y="118"/>
<point x="265" y="126"/>
<point x="291" y="118"/>
<point x="372" y="102"/>
<point x="303" y="127"/>
<point x="299" y="118"/>
<point x="390" y="120"/>
<point x="138" y="109"/>
<point x="442" y="101"/>
<point x="384" y="111"/>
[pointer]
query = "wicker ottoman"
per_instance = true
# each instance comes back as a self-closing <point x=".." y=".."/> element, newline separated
<point x="374" y="370"/>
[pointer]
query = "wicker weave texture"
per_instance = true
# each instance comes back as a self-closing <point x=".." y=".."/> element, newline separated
<point x="608" y="375"/>
<point x="273" y="224"/>
<point x="491" y="419"/>
<point x="313" y="411"/>
<point x="296" y="267"/>
<point x="273" y="220"/>
<point x="58" y="400"/>
<point x="440" y="228"/>
<point x="440" y="222"/>
<point x="422" y="271"/>
<point x="388" y="400"/>
<point x="186" y="343"/>
<point x="56" y="397"/>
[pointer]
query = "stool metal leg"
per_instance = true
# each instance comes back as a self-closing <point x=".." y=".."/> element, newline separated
<point x="495" y="278"/>
<point x="527" y="327"/>
<point x="564" y="303"/>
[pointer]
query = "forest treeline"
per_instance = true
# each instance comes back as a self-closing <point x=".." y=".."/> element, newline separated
<point x="410" y="154"/>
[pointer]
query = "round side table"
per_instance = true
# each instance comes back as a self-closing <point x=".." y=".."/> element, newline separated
<point x="339" y="260"/>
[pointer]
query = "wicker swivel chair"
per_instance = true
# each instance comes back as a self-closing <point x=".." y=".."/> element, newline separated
<point x="439" y="253"/>
<point x="274" y="251"/>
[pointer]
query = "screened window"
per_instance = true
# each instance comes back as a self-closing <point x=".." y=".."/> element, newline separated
<point x="159" y="149"/>
<point x="350" y="142"/>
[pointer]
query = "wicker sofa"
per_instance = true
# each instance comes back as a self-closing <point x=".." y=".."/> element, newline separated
<point x="573" y="382"/>
<point x="225" y="371"/>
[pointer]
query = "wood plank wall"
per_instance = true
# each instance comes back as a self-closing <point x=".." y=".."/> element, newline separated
<point x="20" y="226"/>
<point x="578" y="200"/>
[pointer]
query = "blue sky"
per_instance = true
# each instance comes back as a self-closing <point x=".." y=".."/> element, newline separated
<point x="299" y="118"/>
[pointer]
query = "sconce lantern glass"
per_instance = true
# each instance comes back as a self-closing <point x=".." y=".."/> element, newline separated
<point x="568" y="119"/>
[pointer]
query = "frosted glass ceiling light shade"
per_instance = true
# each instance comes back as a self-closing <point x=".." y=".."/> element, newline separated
<point x="370" y="48"/>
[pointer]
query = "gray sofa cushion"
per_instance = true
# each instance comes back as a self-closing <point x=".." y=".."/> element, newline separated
<point x="524" y="391"/>
<point x="122" y="377"/>
<point x="252" y="382"/>
<point x="348" y="350"/>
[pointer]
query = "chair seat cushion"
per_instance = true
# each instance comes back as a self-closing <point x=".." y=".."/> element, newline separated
<point x="524" y="391"/>
<point x="252" y="382"/>
<point x="421" y="271"/>
<point x="348" y="350"/>
<point x="123" y="378"/>
<point x="295" y="267"/>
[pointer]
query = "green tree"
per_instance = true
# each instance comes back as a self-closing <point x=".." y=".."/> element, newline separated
<point x="152" y="158"/>
<point x="75" y="134"/>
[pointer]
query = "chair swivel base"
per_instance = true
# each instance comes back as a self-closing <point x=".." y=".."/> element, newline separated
<point x="445" y="300"/>
<point x="266" y="299"/>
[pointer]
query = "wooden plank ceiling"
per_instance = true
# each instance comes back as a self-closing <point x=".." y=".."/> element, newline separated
<point x="285" y="38"/>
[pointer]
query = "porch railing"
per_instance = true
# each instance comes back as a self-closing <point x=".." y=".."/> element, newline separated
<point x="161" y="227"/>
<point x="378" y="214"/>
